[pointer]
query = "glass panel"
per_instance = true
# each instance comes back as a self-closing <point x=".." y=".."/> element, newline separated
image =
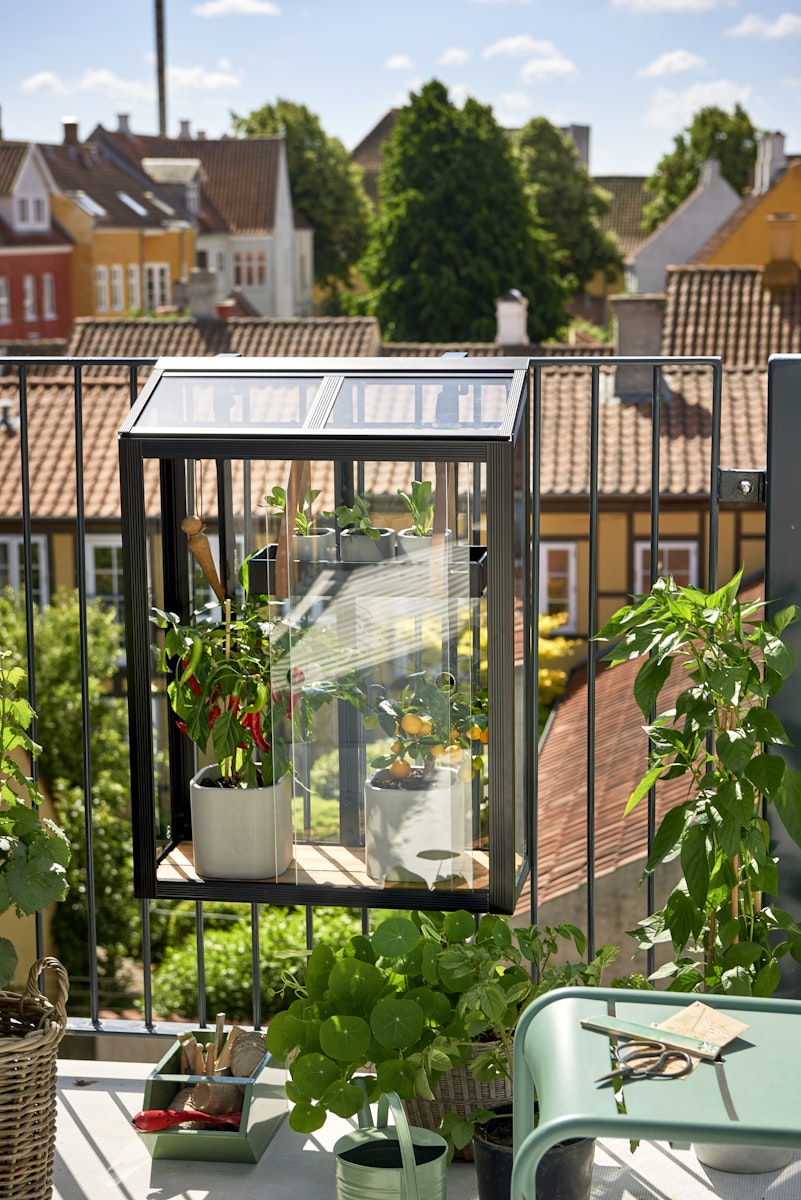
<point x="230" y="403"/>
<point x="477" y="403"/>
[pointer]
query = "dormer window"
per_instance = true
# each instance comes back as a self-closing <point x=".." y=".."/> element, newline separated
<point x="23" y="210"/>
<point x="39" y="210"/>
<point x="193" y="197"/>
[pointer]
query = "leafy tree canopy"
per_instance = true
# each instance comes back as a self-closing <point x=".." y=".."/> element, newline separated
<point x="731" y="138"/>
<point x="326" y="185"/>
<point x="456" y="229"/>
<point x="568" y="202"/>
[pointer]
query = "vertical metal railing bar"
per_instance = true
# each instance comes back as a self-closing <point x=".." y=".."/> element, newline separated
<point x="200" y="943"/>
<point x="656" y="446"/>
<point x="83" y="644"/>
<point x="255" y="964"/>
<point x="532" y="833"/>
<point x="309" y="928"/>
<point x="592" y="649"/>
<point x="714" y="452"/>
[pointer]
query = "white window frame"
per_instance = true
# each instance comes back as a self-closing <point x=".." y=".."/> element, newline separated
<point x="23" y="212"/>
<point x="16" y="569"/>
<point x="117" y="297"/>
<point x="104" y="541"/>
<point x="5" y="300"/>
<point x="642" y="575"/>
<point x="101" y="288"/>
<point x="571" y="600"/>
<point x="48" y="295"/>
<point x="156" y="285"/>
<point x="29" y="298"/>
<point x="134" y="288"/>
<point x="39" y="211"/>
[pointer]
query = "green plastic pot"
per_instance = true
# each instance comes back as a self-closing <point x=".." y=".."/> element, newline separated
<point x="390" y="1162"/>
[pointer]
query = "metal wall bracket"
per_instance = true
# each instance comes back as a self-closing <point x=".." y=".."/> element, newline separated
<point x="746" y="487"/>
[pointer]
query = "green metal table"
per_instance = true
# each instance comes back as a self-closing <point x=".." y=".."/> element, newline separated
<point x="753" y="1097"/>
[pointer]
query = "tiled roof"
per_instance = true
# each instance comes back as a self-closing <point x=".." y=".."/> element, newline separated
<point x="54" y="236"/>
<point x="629" y="197"/>
<point x="492" y="350"/>
<point x="620" y="761"/>
<point x="239" y="191"/>
<point x="728" y="311"/>
<point x="367" y="154"/>
<point x="80" y="169"/>
<point x="12" y="156"/>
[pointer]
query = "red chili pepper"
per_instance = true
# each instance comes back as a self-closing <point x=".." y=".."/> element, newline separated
<point x="213" y="715"/>
<point x="182" y="726"/>
<point x="252" y="721"/>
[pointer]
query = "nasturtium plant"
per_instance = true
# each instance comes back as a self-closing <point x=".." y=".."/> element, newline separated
<point x="719" y="734"/>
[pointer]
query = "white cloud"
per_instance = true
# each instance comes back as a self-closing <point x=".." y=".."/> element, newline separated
<point x="754" y="26"/>
<point x="97" y="80"/>
<point x="517" y="47"/>
<point x="551" y="64"/>
<point x="458" y="94"/>
<point x="673" y="62"/>
<point x="198" y="79"/>
<point x="45" y="81"/>
<point x="236" y="8"/>
<point x="661" y="6"/>
<point x="399" y="62"/>
<point x="454" y="56"/>
<point x="515" y="101"/>
<point x="674" y="110"/>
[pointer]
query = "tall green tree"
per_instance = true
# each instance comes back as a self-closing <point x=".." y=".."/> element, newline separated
<point x="455" y="229"/>
<point x="326" y="186"/>
<point x="731" y="138"/>
<point x="569" y="204"/>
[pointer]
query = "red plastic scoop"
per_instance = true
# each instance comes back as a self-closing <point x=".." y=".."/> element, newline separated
<point x="153" y="1119"/>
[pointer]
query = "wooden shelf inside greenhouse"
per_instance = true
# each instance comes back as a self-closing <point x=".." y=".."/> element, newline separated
<point x="322" y="863"/>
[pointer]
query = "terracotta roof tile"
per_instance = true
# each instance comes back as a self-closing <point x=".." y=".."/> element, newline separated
<point x="492" y="349"/>
<point x="81" y="168"/>
<point x="727" y="311"/>
<point x="12" y="156"/>
<point x="54" y="236"/>
<point x="368" y="153"/>
<point x="629" y="197"/>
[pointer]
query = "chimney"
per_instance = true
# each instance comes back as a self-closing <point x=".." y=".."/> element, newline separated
<point x="122" y="124"/>
<point x="710" y="171"/>
<point x="201" y="135"/>
<point x="226" y="309"/>
<point x="781" y="269"/>
<point x="70" y="131"/>
<point x="511" y="319"/>
<point x="184" y="131"/>
<point x="638" y="333"/>
<point x="202" y="294"/>
<point x="770" y="162"/>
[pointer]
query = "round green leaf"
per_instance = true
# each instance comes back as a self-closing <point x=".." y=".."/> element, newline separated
<point x="435" y="1005"/>
<point x="397" y="1024"/>
<point x="343" y="1099"/>
<point x="313" y="1073"/>
<point x="284" y="1033"/>
<point x="397" y="1075"/>
<point x="345" y="1038"/>
<point x="459" y="926"/>
<point x="395" y="937"/>
<point x="306" y="1118"/>
<point x="354" y="983"/>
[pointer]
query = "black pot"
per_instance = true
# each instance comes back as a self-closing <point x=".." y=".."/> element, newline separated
<point x="564" y="1171"/>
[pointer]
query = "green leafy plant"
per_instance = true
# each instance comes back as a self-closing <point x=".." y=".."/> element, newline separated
<point x="420" y="502"/>
<point x="303" y="520"/>
<point x="408" y="1001"/>
<point x="231" y="681"/>
<point x="34" y="852"/>
<point x="432" y="722"/>
<point x="717" y="734"/>
<point x="357" y="518"/>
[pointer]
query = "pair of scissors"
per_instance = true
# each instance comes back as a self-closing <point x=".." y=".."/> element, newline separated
<point x="648" y="1060"/>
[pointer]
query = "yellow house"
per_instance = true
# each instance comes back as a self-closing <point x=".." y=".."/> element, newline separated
<point x="132" y="242"/>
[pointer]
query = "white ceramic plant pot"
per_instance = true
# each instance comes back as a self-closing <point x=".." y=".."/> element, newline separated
<point x="742" y="1160"/>
<point x="318" y="546"/>
<point x="417" y="834"/>
<point x="358" y="547"/>
<point x="412" y="546"/>
<point x="241" y="833"/>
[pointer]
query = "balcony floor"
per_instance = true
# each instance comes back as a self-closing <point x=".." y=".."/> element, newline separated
<point x="100" y="1157"/>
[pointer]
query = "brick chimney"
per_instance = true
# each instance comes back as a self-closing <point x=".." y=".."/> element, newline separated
<point x="781" y="269"/>
<point x="122" y="124"/>
<point x="184" y="132"/>
<point x="639" y="319"/>
<point x="770" y="162"/>
<point x="202" y="294"/>
<point x="70" y="131"/>
<point x="511" y="319"/>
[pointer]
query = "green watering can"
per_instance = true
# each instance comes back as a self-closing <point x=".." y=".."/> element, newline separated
<point x="384" y="1162"/>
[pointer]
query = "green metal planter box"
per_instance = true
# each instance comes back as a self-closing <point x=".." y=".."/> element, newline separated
<point x="263" y="1110"/>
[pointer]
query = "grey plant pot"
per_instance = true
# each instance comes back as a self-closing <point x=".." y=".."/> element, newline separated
<point x="357" y="547"/>
<point x="742" y="1160"/>
<point x="412" y="546"/>
<point x="318" y="546"/>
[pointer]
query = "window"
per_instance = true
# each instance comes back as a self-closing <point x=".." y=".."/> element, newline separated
<point x="157" y="285"/>
<point x="193" y="197"/>
<point x="679" y="559"/>
<point x="104" y="571"/>
<point x="134" y="294"/>
<point x="5" y="299"/>
<point x="12" y="566"/>
<point x="116" y="288"/>
<point x="237" y="269"/>
<point x="39" y="211"/>
<point x="221" y="263"/>
<point x="48" y="295"/>
<point x="101" y="285"/>
<point x="558" y="581"/>
<point x="261" y="276"/>
<point x="29" y="297"/>
<point x="23" y="211"/>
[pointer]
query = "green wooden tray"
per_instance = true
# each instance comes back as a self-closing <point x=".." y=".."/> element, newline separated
<point x="263" y="1109"/>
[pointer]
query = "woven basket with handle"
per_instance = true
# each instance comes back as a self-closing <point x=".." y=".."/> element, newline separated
<point x="457" y="1091"/>
<point x="31" y="1029"/>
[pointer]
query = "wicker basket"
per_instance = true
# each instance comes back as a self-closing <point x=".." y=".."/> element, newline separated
<point x="31" y="1029"/>
<point x="458" y="1092"/>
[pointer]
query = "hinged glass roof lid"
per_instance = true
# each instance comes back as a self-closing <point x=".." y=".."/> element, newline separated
<point x="230" y="396"/>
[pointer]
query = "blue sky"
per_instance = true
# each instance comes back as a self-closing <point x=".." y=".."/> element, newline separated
<point x="635" y="71"/>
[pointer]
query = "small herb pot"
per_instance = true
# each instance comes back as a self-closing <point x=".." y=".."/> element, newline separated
<point x="357" y="547"/>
